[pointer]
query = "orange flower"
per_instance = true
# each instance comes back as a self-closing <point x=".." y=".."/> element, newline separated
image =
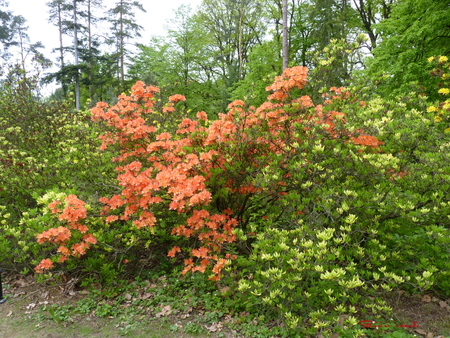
<point x="79" y="249"/>
<point x="236" y="103"/>
<point x="64" y="250"/>
<point x="201" y="115"/>
<point x="89" y="238"/>
<point x="218" y="267"/>
<point x="201" y="252"/>
<point x="111" y="218"/>
<point x="52" y="206"/>
<point x="177" y="98"/>
<point x="168" y="109"/>
<point x="45" y="264"/>
<point x="367" y="140"/>
<point x="163" y="136"/>
<point x="174" y="251"/>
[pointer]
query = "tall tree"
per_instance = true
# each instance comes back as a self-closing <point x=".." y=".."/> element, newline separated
<point x="124" y="27"/>
<point x="92" y="50"/>
<point x="56" y="11"/>
<point x="78" y="16"/>
<point x="14" y="35"/>
<point x="287" y="23"/>
<point x="236" y="27"/>
<point x="299" y="28"/>
<point x="332" y="19"/>
<point x="64" y="14"/>
<point x="75" y="48"/>
<point x="182" y="62"/>
<point x="6" y="17"/>
<point x="372" y="12"/>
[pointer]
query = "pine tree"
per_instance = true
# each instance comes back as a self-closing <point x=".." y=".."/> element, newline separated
<point x="124" y="27"/>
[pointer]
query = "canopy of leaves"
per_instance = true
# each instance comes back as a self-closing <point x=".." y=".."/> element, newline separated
<point x="415" y="31"/>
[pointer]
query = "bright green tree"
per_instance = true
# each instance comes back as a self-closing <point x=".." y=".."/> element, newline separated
<point x="182" y="62"/>
<point x="415" y="31"/>
<point x="371" y="12"/>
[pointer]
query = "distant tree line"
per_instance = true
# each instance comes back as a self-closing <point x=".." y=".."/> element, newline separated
<point x="231" y="48"/>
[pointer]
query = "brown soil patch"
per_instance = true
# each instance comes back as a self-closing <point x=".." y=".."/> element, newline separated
<point x="21" y="316"/>
<point x="430" y="313"/>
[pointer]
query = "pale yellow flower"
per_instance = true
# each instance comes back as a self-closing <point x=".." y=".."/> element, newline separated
<point x="432" y="109"/>
<point x="430" y="59"/>
<point x="444" y="91"/>
<point x="443" y="59"/>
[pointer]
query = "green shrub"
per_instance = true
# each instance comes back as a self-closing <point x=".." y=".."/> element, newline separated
<point x="355" y="223"/>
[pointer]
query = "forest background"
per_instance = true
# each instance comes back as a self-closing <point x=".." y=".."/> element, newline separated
<point x="307" y="194"/>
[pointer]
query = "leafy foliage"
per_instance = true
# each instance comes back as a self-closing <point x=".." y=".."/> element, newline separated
<point x="45" y="146"/>
<point x="34" y="158"/>
<point x="415" y="31"/>
<point x="442" y="109"/>
<point x="321" y="206"/>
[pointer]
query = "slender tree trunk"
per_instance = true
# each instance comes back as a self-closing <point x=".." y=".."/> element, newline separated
<point x="122" y="56"/>
<point x="22" y="52"/>
<point x="241" y="14"/>
<point x="61" y="51"/>
<point x="77" y="80"/>
<point x="285" y="37"/>
<point x="90" y="49"/>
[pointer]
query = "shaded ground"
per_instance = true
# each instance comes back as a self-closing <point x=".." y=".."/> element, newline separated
<point x="31" y="311"/>
<point x="35" y="310"/>
<point x="431" y="314"/>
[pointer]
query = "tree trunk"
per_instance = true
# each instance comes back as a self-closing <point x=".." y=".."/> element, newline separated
<point x="61" y="46"/>
<point x="75" y="42"/>
<point x="90" y="48"/>
<point x="285" y="37"/>
<point x="241" y="14"/>
<point x="122" y="56"/>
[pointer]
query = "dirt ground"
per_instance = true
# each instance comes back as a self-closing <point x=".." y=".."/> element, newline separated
<point x="24" y="315"/>
<point x="431" y="314"/>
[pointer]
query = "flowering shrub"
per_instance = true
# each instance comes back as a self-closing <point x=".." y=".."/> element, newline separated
<point x="322" y="201"/>
<point x="44" y="146"/>
<point x="206" y="171"/>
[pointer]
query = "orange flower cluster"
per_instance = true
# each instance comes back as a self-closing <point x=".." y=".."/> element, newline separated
<point x="367" y="140"/>
<point x="291" y="78"/>
<point x="73" y="213"/>
<point x="161" y="167"/>
<point x="169" y="108"/>
<point x="176" y="98"/>
<point x="45" y="264"/>
<point x="59" y="235"/>
<point x="126" y="115"/>
<point x="206" y="227"/>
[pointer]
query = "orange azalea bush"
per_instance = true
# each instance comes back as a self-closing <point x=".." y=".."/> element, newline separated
<point x="208" y="172"/>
